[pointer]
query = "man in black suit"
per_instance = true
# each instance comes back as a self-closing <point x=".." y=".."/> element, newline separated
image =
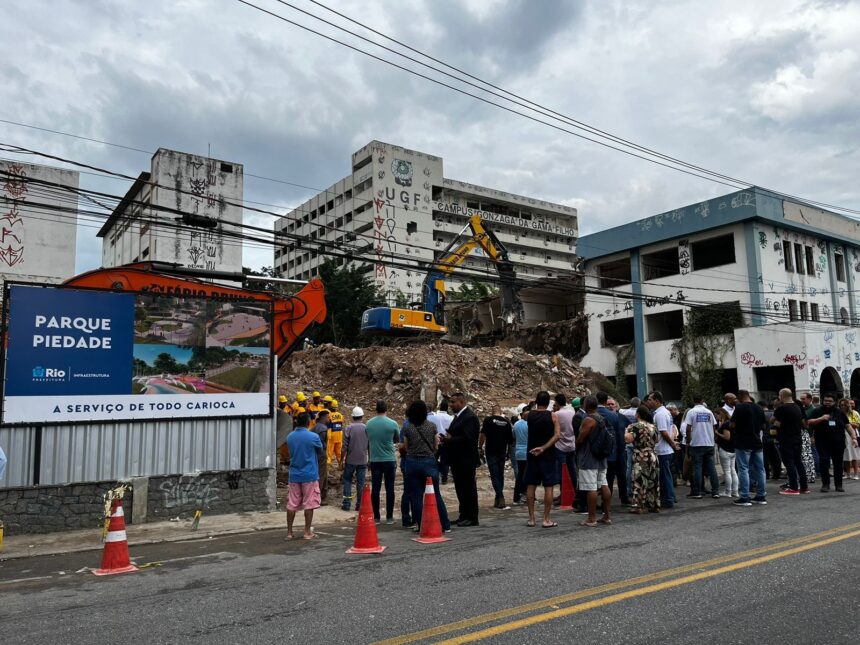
<point x="461" y="452"/>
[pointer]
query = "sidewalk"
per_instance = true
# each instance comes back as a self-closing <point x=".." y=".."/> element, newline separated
<point x="23" y="546"/>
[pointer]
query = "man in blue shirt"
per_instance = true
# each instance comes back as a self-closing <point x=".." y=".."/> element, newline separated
<point x="616" y="464"/>
<point x="521" y="437"/>
<point x="304" y="448"/>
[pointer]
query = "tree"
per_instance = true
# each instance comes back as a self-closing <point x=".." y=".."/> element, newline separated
<point x="166" y="363"/>
<point x="348" y="292"/>
<point x="471" y="291"/>
<point x="280" y="288"/>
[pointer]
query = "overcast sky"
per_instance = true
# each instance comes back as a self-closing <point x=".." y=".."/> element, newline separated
<point x="768" y="91"/>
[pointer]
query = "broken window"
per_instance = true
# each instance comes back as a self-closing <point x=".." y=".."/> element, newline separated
<point x="668" y="383"/>
<point x="799" y="256"/>
<point x="792" y="310"/>
<point x="411" y="227"/>
<point x="660" y="264"/>
<point x="840" y="266"/>
<point x="666" y="325"/>
<point x="614" y="274"/>
<point x="810" y="261"/>
<point x="617" y="332"/>
<point x="713" y="252"/>
<point x="786" y="254"/>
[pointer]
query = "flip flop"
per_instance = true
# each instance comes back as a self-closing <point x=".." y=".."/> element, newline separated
<point x="530" y="524"/>
<point x="603" y="521"/>
<point x="312" y="536"/>
<point x="590" y="525"/>
<point x="551" y="525"/>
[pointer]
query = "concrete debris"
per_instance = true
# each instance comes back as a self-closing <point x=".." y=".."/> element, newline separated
<point x="566" y="337"/>
<point x="400" y="374"/>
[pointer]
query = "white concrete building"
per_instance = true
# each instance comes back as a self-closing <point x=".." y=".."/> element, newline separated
<point x="397" y="206"/>
<point x="38" y="222"/>
<point x="790" y="269"/>
<point x="187" y="183"/>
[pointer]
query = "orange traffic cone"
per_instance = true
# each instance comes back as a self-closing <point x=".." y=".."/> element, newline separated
<point x="566" y="489"/>
<point x="115" y="557"/>
<point x="431" y="528"/>
<point x="366" y="540"/>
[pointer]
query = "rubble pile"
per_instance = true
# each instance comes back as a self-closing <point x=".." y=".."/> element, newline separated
<point x="566" y="337"/>
<point x="400" y="374"/>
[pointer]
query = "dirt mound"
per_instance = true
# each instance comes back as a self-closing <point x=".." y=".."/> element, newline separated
<point x="399" y="375"/>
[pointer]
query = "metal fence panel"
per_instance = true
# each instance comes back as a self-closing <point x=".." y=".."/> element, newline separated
<point x="18" y="444"/>
<point x="97" y="452"/>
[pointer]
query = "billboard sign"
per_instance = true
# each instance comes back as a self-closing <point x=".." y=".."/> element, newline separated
<point x="75" y="355"/>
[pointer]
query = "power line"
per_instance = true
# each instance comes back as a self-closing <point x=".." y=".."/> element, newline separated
<point x="557" y="116"/>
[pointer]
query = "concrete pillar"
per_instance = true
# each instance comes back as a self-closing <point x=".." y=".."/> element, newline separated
<point x="140" y="499"/>
<point x="753" y="252"/>
<point x="638" y="324"/>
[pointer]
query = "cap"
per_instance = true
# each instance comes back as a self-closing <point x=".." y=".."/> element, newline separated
<point x="300" y="396"/>
<point x="577" y="402"/>
<point x="333" y="403"/>
<point x="315" y="395"/>
<point x="328" y="398"/>
<point x="282" y="399"/>
<point x="357" y="412"/>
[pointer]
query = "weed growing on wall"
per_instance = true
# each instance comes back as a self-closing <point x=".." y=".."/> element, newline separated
<point x="706" y="339"/>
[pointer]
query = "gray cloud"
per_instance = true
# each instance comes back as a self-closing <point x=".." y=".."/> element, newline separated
<point x="763" y="91"/>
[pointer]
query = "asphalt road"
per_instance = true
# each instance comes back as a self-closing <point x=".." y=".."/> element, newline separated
<point x="704" y="572"/>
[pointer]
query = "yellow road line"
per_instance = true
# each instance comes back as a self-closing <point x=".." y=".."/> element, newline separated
<point x="613" y="586"/>
<point x="641" y="591"/>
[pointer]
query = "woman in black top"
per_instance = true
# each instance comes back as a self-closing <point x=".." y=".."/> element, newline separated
<point x="421" y="441"/>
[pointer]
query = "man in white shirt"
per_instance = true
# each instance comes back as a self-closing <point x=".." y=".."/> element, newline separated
<point x="700" y="423"/>
<point x="442" y="420"/>
<point x="729" y="401"/>
<point x="665" y="449"/>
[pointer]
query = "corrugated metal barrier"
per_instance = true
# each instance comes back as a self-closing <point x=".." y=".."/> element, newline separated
<point x="95" y="452"/>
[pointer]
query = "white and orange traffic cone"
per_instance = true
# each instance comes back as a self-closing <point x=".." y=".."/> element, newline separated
<point x="431" y="527"/>
<point x="115" y="558"/>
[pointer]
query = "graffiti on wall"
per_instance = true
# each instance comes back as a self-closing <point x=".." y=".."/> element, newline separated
<point x="194" y="491"/>
<point x="684" y="263"/>
<point x="15" y="189"/>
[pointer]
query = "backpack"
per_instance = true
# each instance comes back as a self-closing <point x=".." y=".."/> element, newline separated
<point x="602" y="440"/>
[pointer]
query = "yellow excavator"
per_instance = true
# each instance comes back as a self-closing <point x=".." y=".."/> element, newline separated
<point x="430" y="317"/>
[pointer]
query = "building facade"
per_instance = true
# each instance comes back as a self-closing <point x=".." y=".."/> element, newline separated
<point x="784" y="270"/>
<point x="38" y="222"/>
<point x="190" y="184"/>
<point x="399" y="212"/>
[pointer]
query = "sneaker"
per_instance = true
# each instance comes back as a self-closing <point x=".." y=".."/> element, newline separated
<point x="716" y="496"/>
<point x="805" y="491"/>
<point x="839" y="489"/>
<point x="735" y="495"/>
<point x="691" y="496"/>
<point x="759" y="500"/>
<point x="390" y="520"/>
<point x="740" y="501"/>
<point x="783" y="486"/>
<point x="790" y="491"/>
<point x="825" y="489"/>
<point x="726" y="493"/>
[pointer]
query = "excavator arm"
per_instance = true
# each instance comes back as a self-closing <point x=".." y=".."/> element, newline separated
<point x="434" y="284"/>
<point x="292" y="316"/>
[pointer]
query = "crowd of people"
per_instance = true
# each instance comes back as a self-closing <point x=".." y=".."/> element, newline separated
<point x="642" y="450"/>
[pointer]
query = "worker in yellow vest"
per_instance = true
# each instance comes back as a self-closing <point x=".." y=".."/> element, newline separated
<point x="335" y="434"/>
<point x="315" y="406"/>
<point x="298" y="406"/>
